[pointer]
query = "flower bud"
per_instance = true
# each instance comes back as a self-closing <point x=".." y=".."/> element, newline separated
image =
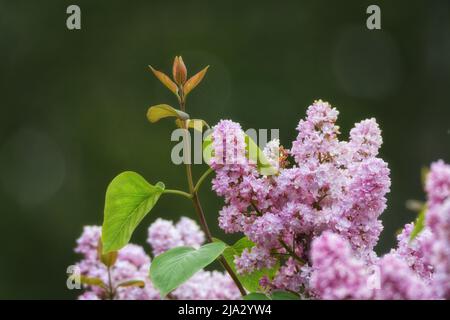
<point x="179" y="71"/>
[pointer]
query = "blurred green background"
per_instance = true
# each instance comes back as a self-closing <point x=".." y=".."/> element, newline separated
<point x="73" y="104"/>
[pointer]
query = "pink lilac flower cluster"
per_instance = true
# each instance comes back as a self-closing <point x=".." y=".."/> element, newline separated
<point x="438" y="222"/>
<point x="320" y="217"/>
<point x="337" y="273"/>
<point x="417" y="269"/>
<point x="164" y="235"/>
<point x="133" y="264"/>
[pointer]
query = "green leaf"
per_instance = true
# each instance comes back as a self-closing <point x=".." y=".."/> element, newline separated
<point x="254" y="153"/>
<point x="250" y="281"/>
<point x="284" y="295"/>
<point x="174" y="267"/>
<point x="160" y="111"/>
<point x="89" y="281"/>
<point x="256" y="296"/>
<point x="276" y="295"/>
<point x="132" y="283"/>
<point x="196" y="124"/>
<point x="129" y="198"/>
<point x="419" y="224"/>
<point x="208" y="150"/>
<point x="108" y="259"/>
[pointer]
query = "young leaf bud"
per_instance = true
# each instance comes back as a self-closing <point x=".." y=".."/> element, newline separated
<point x="179" y="71"/>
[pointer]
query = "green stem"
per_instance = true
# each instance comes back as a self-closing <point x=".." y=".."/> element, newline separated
<point x="292" y="253"/>
<point x="110" y="285"/>
<point x="201" y="179"/>
<point x="223" y="262"/>
<point x="198" y="207"/>
<point x="201" y="217"/>
<point x="178" y="192"/>
<point x="256" y="209"/>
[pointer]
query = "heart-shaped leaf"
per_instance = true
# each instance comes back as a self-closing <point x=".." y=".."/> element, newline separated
<point x="129" y="198"/>
<point x="156" y="113"/>
<point x="174" y="267"/>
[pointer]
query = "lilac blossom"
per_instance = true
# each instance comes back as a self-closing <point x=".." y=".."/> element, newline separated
<point x="438" y="221"/>
<point x="365" y="139"/>
<point x="88" y="242"/>
<point x="438" y="183"/>
<point x="291" y="276"/>
<point x="337" y="274"/>
<point x="254" y="259"/>
<point x="208" y="285"/>
<point x="133" y="264"/>
<point x="364" y="203"/>
<point x="317" y="137"/>
<point x="163" y="235"/>
<point x="399" y="282"/>
<point x="333" y="185"/>
<point x="229" y="146"/>
<point x="415" y="252"/>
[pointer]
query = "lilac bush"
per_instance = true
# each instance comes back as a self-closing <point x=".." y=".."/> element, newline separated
<point x="309" y="217"/>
